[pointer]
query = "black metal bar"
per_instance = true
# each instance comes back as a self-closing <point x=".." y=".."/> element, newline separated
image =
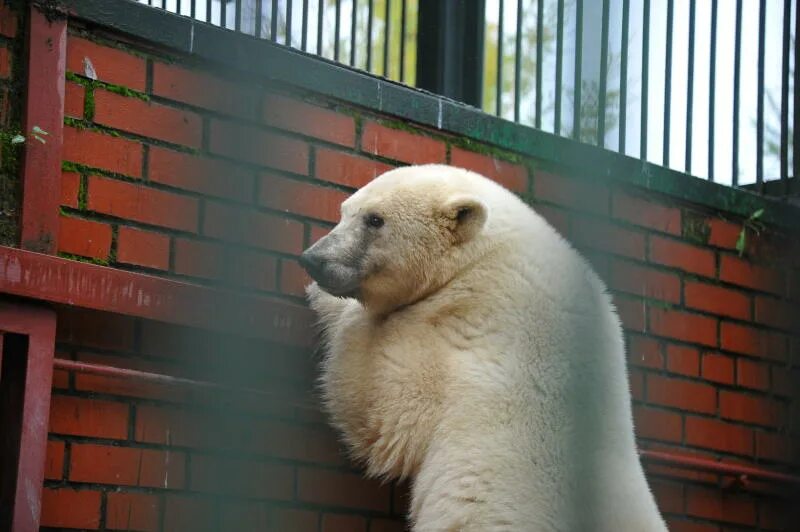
<point x="336" y="29"/>
<point x="601" y="96"/>
<point x="208" y="11"/>
<point x="539" y="61"/>
<point x="690" y="89"/>
<point x="387" y="38"/>
<point x="288" y="40"/>
<point x="645" y="78"/>
<point x="450" y="49"/>
<point x="712" y="82"/>
<point x="668" y="82"/>
<point x="499" y="88"/>
<point x="787" y="37"/>
<point x="193" y="9"/>
<point x="737" y="62"/>
<point x="517" y="60"/>
<point x="353" y="18"/>
<point x="259" y="7"/>
<point x="237" y="13"/>
<point x="223" y="14"/>
<point x="623" y="76"/>
<point x="304" y="36"/>
<point x="403" y="40"/>
<point x="273" y="32"/>
<point x="178" y="6"/>
<point x="576" y="103"/>
<point x="796" y="126"/>
<point x="559" y="61"/>
<point x="320" y="7"/>
<point x="369" y="35"/>
<point x="762" y="16"/>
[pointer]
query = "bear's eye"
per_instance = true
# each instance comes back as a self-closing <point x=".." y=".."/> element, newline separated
<point x="374" y="221"/>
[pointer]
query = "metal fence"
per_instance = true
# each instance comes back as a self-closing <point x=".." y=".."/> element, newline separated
<point x="682" y="83"/>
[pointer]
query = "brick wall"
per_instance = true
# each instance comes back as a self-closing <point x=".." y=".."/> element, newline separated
<point x="11" y="85"/>
<point x="183" y="171"/>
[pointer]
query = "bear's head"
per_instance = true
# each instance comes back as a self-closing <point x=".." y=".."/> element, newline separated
<point x="400" y="237"/>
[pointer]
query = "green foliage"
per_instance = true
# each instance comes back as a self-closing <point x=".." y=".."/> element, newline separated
<point x="754" y="224"/>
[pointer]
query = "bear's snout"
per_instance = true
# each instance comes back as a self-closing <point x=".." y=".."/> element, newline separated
<point x="333" y="276"/>
<point x="312" y="264"/>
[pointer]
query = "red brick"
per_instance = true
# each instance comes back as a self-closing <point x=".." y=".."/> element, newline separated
<point x="598" y="234"/>
<point x="93" y="328"/>
<point x="132" y="511"/>
<point x="244" y="516"/>
<point x="147" y="119"/>
<point x="117" y="155"/>
<point x="73" y="100"/>
<point x="54" y="463"/>
<point x="512" y="176"/>
<point x="776" y="447"/>
<point x="142" y="204"/>
<point x="126" y="466"/>
<point x="253" y="270"/>
<point x="718" y="505"/>
<point x="785" y="381"/>
<point x="318" y="232"/>
<point x="673" y="525"/>
<point x="260" y="480"/>
<point x="110" y="64"/>
<point x="253" y="228"/>
<point x="200" y="174"/>
<point x="293" y="520"/>
<point x="686" y="257"/>
<point x="636" y="383"/>
<point x="583" y="195"/>
<point x="669" y="496"/>
<point x="758" y="410"/>
<point x="645" y="352"/>
<point x="143" y="248"/>
<point x="723" y="234"/>
<point x="385" y="525"/>
<point x="777" y="514"/>
<point x="203" y="90"/>
<point x="556" y="217"/>
<point x="200" y="259"/>
<point x="678" y="393"/>
<point x="750" y="374"/>
<point x="600" y="263"/>
<point x="717" y="368"/>
<point x="718" y="435"/>
<point x="631" y="312"/>
<point x="657" y="424"/>
<point x="644" y="281"/>
<point x="69" y="508"/>
<point x="683" y="326"/>
<point x="647" y="213"/>
<point x="347" y="490"/>
<point x="182" y="514"/>
<point x="310" y="120"/>
<point x="683" y="360"/>
<point x="293" y="278"/>
<point x="734" y="270"/>
<point x="401" y="145"/>
<point x="75" y="416"/>
<point x="716" y="300"/>
<point x="70" y="184"/>
<point x="301" y="198"/>
<point x="84" y="237"/>
<point x="8" y="20"/>
<point x="777" y="313"/>
<point x="5" y="62"/>
<point x="346" y="169"/>
<point x="751" y="341"/>
<point x="254" y="145"/>
<point x="343" y="523"/>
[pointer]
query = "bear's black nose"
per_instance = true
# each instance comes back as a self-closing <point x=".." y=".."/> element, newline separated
<point x="312" y="264"/>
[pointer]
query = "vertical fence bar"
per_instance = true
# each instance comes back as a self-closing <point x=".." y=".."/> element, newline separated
<point x="712" y="82"/>
<point x="353" y="27"/>
<point x="668" y="81"/>
<point x="559" y="61"/>
<point x="369" y="35"/>
<point x="787" y="39"/>
<point x="499" y="88"/>
<point x="193" y="9"/>
<point x="403" y="40"/>
<point x="762" y="15"/>
<point x="273" y="32"/>
<point x="387" y="38"/>
<point x="320" y="7"/>
<point x="690" y="89"/>
<point x="304" y="27"/>
<point x="237" y="13"/>
<point x="645" y="78"/>
<point x="795" y="127"/>
<point x="178" y="6"/>
<point x="259" y="7"/>
<point x="336" y="29"/>
<point x="223" y="14"/>
<point x="539" y="61"/>
<point x="623" y="76"/>
<point x="517" y="60"/>
<point x="576" y="96"/>
<point x="208" y="11"/>
<point x="288" y="22"/>
<point x="737" y="62"/>
<point x="601" y="96"/>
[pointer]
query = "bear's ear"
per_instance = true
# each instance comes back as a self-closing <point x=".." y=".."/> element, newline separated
<point x="466" y="216"/>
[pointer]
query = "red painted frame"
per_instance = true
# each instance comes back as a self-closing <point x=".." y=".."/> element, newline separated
<point x="25" y="382"/>
<point x="44" y="108"/>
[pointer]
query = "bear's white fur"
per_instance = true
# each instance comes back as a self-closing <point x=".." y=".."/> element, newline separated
<point x="483" y="359"/>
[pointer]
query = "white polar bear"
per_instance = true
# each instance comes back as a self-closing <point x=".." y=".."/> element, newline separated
<point x="470" y="348"/>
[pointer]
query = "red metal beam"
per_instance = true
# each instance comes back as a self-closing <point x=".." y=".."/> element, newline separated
<point x="44" y="108"/>
<point x="57" y="280"/>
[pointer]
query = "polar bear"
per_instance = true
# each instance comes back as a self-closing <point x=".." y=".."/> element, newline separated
<point x="470" y="348"/>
